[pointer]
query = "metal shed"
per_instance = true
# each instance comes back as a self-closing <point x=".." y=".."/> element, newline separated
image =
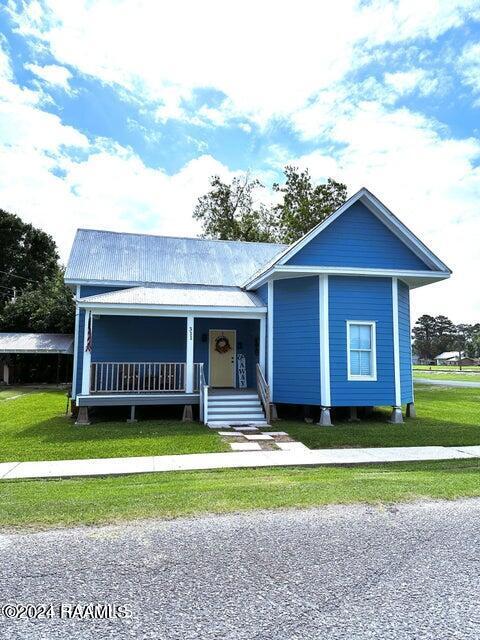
<point x="32" y="343"/>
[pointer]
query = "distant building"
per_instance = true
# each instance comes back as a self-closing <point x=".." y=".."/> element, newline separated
<point x="455" y="358"/>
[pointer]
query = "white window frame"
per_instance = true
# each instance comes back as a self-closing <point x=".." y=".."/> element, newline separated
<point x="373" y="332"/>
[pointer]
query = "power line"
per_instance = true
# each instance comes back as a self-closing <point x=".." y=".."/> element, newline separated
<point x="7" y="273"/>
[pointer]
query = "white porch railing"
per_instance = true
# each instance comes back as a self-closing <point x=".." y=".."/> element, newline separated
<point x="141" y="377"/>
<point x="263" y="392"/>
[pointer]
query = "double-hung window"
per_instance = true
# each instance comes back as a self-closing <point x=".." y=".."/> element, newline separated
<point x="361" y="350"/>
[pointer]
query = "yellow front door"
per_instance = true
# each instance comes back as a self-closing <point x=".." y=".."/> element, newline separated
<point x="222" y="358"/>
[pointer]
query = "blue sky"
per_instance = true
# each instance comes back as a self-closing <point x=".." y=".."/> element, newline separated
<point x="114" y="113"/>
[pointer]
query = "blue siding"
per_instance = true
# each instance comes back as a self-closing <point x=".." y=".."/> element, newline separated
<point x="359" y="298"/>
<point x="296" y="343"/>
<point x="358" y="239"/>
<point x="139" y="339"/>
<point x="248" y="332"/>
<point x="405" y="342"/>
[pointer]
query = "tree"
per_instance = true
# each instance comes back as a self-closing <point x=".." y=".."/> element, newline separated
<point x="434" y="335"/>
<point x="305" y="205"/>
<point x="228" y="212"/>
<point x="48" y="308"/>
<point x="28" y="256"/>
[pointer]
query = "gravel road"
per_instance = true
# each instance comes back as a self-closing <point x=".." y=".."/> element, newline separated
<point x="411" y="571"/>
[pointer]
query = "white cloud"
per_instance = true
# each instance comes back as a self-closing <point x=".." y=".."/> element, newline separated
<point x="52" y="74"/>
<point x="404" y="82"/>
<point x="107" y="187"/>
<point x="267" y="59"/>
<point x="469" y="66"/>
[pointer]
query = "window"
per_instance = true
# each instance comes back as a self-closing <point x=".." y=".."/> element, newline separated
<point x="361" y="351"/>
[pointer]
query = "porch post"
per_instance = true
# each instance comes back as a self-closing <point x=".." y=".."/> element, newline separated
<point x="189" y="355"/>
<point x="87" y="355"/>
<point x="6" y="373"/>
<point x="262" y="350"/>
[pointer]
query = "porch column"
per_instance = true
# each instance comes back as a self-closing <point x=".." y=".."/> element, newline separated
<point x="87" y="355"/>
<point x="396" y="417"/>
<point x="262" y="349"/>
<point x="6" y="373"/>
<point x="189" y="356"/>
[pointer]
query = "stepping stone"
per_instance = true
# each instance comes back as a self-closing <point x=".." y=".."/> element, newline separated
<point x="291" y="446"/>
<point x="229" y="433"/>
<point x="260" y="436"/>
<point x="275" y="433"/>
<point x="245" y="446"/>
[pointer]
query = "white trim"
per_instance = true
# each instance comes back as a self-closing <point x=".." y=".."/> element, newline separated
<point x="75" y="345"/>
<point x="396" y="344"/>
<point x="270" y="337"/>
<point x="159" y="313"/>
<point x="234" y="358"/>
<point x="377" y="208"/>
<point x="181" y="311"/>
<point x="262" y="345"/>
<point x="373" y="349"/>
<point x="87" y="356"/>
<point x="189" y="355"/>
<point x="323" y="321"/>
<point x="290" y="271"/>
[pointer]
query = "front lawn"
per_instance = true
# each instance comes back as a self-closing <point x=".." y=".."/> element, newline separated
<point x="47" y="503"/>
<point x="447" y="416"/>
<point x="33" y="426"/>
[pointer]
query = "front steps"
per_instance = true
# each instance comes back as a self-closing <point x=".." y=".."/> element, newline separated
<point x="235" y="409"/>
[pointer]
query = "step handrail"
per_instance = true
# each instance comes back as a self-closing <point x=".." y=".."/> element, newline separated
<point x="263" y="392"/>
<point x="203" y="388"/>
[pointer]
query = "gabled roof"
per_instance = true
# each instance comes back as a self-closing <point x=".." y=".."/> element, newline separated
<point x="36" y="343"/>
<point x="449" y="355"/>
<point x="178" y="296"/>
<point x="432" y="262"/>
<point x="106" y="257"/>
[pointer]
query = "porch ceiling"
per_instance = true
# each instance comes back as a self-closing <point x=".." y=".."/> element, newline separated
<point x="187" y="296"/>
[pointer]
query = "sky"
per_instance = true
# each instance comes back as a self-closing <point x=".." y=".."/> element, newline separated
<point x="115" y="113"/>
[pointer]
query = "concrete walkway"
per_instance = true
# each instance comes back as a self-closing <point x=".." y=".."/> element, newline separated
<point x="198" y="461"/>
<point x="448" y="383"/>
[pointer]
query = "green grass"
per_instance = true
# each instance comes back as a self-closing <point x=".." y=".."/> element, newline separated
<point x="52" y="503"/>
<point x="465" y="377"/>
<point x="34" y="427"/>
<point x="447" y="416"/>
<point x="444" y="368"/>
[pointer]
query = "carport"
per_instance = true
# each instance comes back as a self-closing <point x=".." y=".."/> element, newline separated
<point x="12" y="344"/>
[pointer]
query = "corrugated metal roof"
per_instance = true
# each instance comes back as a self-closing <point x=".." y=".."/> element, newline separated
<point x="36" y="343"/>
<point x="183" y="296"/>
<point x="106" y="256"/>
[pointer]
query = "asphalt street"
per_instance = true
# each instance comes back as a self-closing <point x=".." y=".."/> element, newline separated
<point x="409" y="571"/>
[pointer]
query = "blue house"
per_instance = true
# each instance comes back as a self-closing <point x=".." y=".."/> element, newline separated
<point x="238" y="328"/>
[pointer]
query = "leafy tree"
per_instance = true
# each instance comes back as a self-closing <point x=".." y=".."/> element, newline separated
<point x="304" y="204"/>
<point x="48" y="308"/>
<point x="28" y="256"/>
<point x="228" y="212"/>
<point x="434" y="335"/>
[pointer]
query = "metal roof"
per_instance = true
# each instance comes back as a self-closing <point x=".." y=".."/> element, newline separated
<point x="448" y="355"/>
<point x="179" y="296"/>
<point x="36" y="343"/>
<point x="106" y="256"/>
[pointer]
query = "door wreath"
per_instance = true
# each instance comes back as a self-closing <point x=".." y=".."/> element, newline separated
<point x="222" y="345"/>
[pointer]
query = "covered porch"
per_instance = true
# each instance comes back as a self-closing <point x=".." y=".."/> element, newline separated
<point x="145" y="354"/>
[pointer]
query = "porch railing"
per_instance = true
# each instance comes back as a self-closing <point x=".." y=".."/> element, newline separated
<point x="141" y="377"/>
<point x="203" y="388"/>
<point x="263" y="392"/>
